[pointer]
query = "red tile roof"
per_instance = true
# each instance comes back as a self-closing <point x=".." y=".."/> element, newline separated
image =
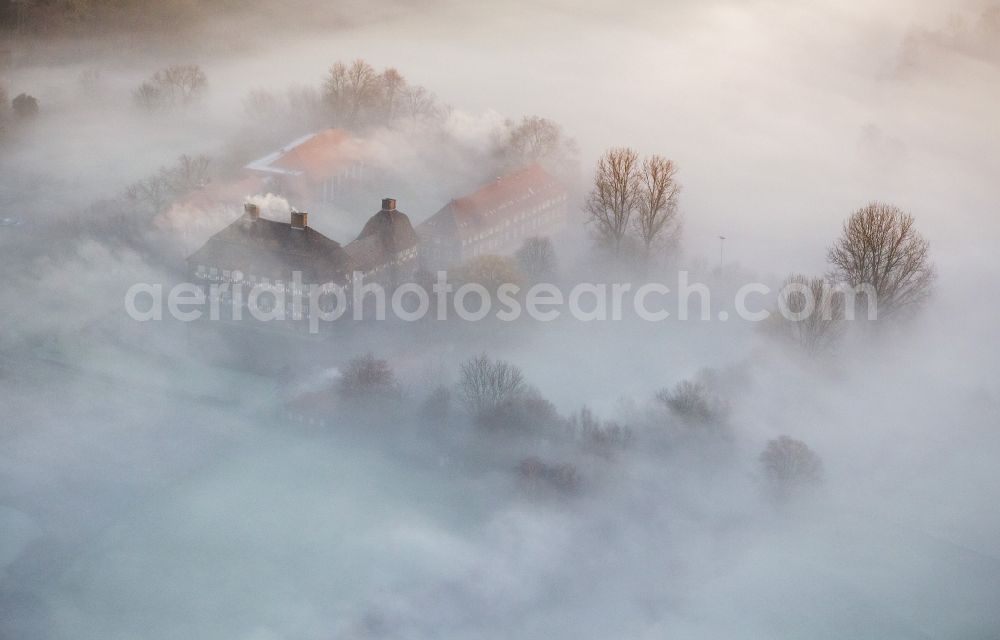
<point x="501" y="199"/>
<point x="317" y="156"/>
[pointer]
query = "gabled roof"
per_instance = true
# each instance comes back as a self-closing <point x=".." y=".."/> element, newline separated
<point x="267" y="246"/>
<point x="493" y="203"/>
<point x="317" y="155"/>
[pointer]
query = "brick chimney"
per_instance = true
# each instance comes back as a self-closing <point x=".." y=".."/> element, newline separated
<point x="252" y="211"/>
<point x="388" y="204"/>
<point x="300" y="219"/>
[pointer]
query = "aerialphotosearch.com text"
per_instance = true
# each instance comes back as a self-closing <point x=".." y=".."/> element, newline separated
<point x="236" y="299"/>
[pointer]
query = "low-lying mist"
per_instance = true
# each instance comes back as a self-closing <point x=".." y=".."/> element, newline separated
<point x="633" y="480"/>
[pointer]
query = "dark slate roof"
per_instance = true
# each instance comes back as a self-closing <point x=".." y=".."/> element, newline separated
<point x="269" y="247"/>
<point x="385" y="234"/>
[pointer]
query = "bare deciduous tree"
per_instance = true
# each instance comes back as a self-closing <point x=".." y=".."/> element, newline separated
<point x="693" y="403"/>
<point x="392" y="86"/>
<point x="156" y="192"/>
<point x="419" y="104"/>
<point x="148" y="96"/>
<point x="152" y="192"/>
<point x="537" y="258"/>
<point x="656" y="217"/>
<point x="789" y="466"/>
<point x="173" y="86"/>
<point x="183" y="82"/>
<point x="351" y="90"/>
<point x="536" y="139"/>
<point x="615" y="194"/>
<point x="816" y="313"/>
<point x="605" y="438"/>
<point x="189" y="173"/>
<point x="880" y="247"/>
<point x="485" y="384"/>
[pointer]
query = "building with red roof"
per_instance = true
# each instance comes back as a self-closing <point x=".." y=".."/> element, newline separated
<point x="319" y="168"/>
<point x="496" y="218"/>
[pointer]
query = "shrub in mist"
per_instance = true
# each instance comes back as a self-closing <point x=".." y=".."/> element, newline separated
<point x="815" y="325"/>
<point x="693" y="403"/>
<point x="175" y="86"/>
<point x="525" y="411"/>
<point x="157" y="192"/>
<point x="368" y="378"/>
<point x="486" y="385"/>
<point x="148" y="97"/>
<point x="25" y="106"/>
<point x="789" y="468"/>
<point x="603" y="438"/>
<point x="536" y="259"/>
<point x="538" y="477"/>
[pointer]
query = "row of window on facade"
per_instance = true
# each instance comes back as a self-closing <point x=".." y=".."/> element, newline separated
<point x="403" y="256"/>
<point x="486" y="237"/>
<point x="524" y="213"/>
<point x="543" y="205"/>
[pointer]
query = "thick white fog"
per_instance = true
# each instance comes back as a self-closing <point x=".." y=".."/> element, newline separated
<point x="155" y="487"/>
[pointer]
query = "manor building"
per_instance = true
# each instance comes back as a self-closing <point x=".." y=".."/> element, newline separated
<point x="494" y="219"/>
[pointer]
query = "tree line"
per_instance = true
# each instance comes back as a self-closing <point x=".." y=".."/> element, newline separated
<point x="494" y="396"/>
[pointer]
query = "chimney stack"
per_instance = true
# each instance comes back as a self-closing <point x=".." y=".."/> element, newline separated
<point x="252" y="211"/>
<point x="300" y="219"/>
<point x="388" y="204"/>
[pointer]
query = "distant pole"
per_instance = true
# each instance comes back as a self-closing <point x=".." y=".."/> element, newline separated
<point x="722" y="251"/>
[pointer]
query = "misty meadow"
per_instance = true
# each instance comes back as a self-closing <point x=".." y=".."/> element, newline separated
<point x="354" y="320"/>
